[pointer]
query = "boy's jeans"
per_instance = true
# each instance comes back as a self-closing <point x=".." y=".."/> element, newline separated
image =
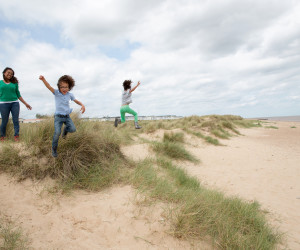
<point x="59" y="120"/>
<point x="5" y="109"/>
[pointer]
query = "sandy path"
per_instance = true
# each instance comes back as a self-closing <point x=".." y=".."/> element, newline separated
<point x="263" y="165"/>
<point x="111" y="219"/>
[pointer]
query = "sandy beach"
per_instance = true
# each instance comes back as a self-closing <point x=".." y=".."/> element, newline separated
<point x="261" y="164"/>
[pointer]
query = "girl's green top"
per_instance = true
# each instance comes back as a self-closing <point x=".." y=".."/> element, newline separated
<point x="9" y="92"/>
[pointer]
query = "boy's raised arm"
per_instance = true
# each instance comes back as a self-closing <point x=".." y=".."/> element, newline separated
<point x="42" y="78"/>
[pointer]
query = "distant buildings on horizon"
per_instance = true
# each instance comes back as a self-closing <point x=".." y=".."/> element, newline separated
<point x="142" y="118"/>
<point x="112" y="118"/>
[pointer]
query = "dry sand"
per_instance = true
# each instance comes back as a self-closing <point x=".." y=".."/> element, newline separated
<point x="262" y="165"/>
<point x="113" y="219"/>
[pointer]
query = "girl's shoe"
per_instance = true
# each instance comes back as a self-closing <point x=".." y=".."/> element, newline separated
<point x="137" y="126"/>
<point x="2" y="138"/>
<point x="117" y="121"/>
<point x="17" y="138"/>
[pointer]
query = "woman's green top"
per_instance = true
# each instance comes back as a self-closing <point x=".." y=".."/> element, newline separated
<point x="9" y="92"/>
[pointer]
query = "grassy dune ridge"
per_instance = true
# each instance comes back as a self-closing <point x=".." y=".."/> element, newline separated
<point x="91" y="159"/>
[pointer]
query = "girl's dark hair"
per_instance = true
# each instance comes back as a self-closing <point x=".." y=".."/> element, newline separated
<point x="68" y="79"/>
<point x="13" y="78"/>
<point x="127" y="84"/>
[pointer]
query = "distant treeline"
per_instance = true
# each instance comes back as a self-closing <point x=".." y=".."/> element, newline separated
<point x="40" y="116"/>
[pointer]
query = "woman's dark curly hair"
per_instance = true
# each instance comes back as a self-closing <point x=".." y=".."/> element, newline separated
<point x="127" y="84"/>
<point x="13" y="78"/>
<point x="67" y="79"/>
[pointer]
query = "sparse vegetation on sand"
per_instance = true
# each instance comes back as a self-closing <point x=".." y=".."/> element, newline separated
<point x="91" y="159"/>
<point x="274" y="127"/>
<point x="197" y="212"/>
<point x="11" y="236"/>
<point x="173" y="150"/>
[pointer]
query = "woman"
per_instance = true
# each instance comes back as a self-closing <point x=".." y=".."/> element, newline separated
<point x="9" y="96"/>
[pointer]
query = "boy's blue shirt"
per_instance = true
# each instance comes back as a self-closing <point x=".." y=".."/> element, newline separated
<point x="62" y="102"/>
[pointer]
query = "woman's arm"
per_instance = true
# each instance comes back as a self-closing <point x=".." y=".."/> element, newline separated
<point x="82" y="106"/>
<point x="135" y="87"/>
<point x="42" y="78"/>
<point x="25" y="103"/>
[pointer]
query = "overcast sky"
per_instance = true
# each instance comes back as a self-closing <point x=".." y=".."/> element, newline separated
<point x="193" y="57"/>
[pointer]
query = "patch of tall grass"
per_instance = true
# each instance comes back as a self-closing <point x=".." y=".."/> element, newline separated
<point x="10" y="159"/>
<point x="9" y="131"/>
<point x="90" y="158"/>
<point x="173" y="137"/>
<point x="247" y="123"/>
<point x="214" y="126"/>
<point x="198" y="213"/>
<point x="12" y="236"/>
<point x="207" y="138"/>
<point x="173" y="150"/>
<point x="273" y="127"/>
<point x="221" y="133"/>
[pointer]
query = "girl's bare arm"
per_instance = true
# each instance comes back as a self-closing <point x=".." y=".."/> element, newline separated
<point x="135" y="87"/>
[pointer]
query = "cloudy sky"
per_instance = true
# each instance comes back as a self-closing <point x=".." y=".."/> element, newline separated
<point x="193" y="57"/>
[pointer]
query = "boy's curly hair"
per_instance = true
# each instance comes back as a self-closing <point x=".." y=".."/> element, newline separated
<point x="127" y="84"/>
<point x="68" y="79"/>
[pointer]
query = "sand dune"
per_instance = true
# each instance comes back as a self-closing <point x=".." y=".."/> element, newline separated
<point x="262" y="164"/>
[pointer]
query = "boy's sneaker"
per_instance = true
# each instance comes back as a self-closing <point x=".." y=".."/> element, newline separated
<point x="54" y="152"/>
<point x="17" y="138"/>
<point x="137" y="126"/>
<point x="117" y="121"/>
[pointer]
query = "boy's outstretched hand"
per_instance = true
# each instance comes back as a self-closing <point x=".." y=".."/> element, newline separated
<point x="82" y="109"/>
<point x="42" y="78"/>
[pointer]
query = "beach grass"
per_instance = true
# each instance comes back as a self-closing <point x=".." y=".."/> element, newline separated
<point x="199" y="213"/>
<point x="89" y="159"/>
<point x="12" y="236"/>
<point x="209" y="128"/>
<point x="173" y="150"/>
<point x="174" y="137"/>
<point x="273" y="127"/>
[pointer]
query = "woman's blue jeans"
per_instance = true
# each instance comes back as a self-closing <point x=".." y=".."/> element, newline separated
<point x="14" y="109"/>
<point x="59" y="120"/>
